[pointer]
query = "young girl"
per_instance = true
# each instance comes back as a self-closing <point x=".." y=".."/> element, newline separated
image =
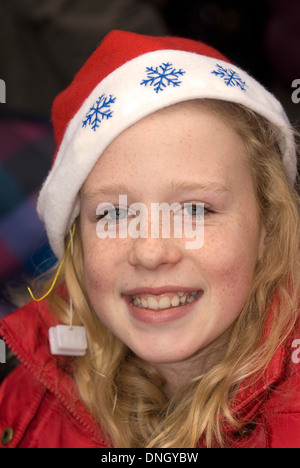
<point x="188" y="344"/>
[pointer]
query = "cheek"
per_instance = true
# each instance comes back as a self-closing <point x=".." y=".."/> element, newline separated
<point x="103" y="265"/>
<point x="99" y="279"/>
<point x="229" y="262"/>
<point x="97" y="271"/>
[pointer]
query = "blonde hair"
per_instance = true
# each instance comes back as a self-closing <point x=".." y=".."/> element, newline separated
<point x="125" y="394"/>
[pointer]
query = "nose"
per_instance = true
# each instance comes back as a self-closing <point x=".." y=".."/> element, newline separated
<point x="151" y="253"/>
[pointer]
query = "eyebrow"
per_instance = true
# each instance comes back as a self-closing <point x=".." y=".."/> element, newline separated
<point x="118" y="189"/>
<point x="209" y="186"/>
<point x="112" y="189"/>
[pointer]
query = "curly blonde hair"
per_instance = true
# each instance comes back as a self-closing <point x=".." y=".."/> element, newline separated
<point x="125" y="394"/>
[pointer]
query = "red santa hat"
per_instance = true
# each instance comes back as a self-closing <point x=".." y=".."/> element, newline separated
<point x="128" y="77"/>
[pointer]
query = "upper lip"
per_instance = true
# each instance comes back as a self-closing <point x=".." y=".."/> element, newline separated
<point x="159" y="290"/>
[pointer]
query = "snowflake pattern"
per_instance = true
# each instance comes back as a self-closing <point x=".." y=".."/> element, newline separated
<point x="231" y="78"/>
<point x="162" y="76"/>
<point x="100" y="111"/>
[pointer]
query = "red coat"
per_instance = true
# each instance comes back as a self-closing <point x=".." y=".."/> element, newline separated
<point x="39" y="406"/>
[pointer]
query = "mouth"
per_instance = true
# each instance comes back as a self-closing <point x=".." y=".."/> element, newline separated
<point x="165" y="300"/>
<point x="158" y="306"/>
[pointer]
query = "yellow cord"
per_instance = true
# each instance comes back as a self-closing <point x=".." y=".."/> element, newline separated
<point x="57" y="273"/>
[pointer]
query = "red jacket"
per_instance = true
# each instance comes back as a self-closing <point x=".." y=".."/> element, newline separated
<point x="39" y="406"/>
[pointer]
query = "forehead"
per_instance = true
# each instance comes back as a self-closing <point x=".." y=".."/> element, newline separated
<point x="187" y="141"/>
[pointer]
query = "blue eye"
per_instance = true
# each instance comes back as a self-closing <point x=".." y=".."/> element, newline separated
<point x="115" y="214"/>
<point x="194" y="209"/>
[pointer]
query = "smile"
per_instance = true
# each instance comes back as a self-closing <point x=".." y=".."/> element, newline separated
<point x="164" y="301"/>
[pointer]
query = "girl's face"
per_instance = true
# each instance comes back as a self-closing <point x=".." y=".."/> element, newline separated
<point x="164" y="301"/>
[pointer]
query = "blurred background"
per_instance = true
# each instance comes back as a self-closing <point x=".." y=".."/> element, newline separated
<point x="43" y="43"/>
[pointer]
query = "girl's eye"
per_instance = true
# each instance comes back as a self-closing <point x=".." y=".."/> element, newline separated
<point x="196" y="210"/>
<point x="114" y="215"/>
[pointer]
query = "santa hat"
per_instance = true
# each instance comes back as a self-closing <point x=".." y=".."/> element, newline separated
<point x="128" y="77"/>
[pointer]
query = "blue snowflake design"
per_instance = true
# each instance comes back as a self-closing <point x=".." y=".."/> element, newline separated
<point x="231" y="78"/>
<point x="162" y="76"/>
<point x="100" y="111"/>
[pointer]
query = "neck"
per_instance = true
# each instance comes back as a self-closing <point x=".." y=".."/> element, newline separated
<point x="176" y="374"/>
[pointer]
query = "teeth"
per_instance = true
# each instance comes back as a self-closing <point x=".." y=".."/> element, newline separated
<point x="152" y="303"/>
<point x="165" y="302"/>
<point x="190" y="298"/>
<point x="175" y="301"/>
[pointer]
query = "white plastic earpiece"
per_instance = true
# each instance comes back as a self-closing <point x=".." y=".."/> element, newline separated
<point x="68" y="340"/>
